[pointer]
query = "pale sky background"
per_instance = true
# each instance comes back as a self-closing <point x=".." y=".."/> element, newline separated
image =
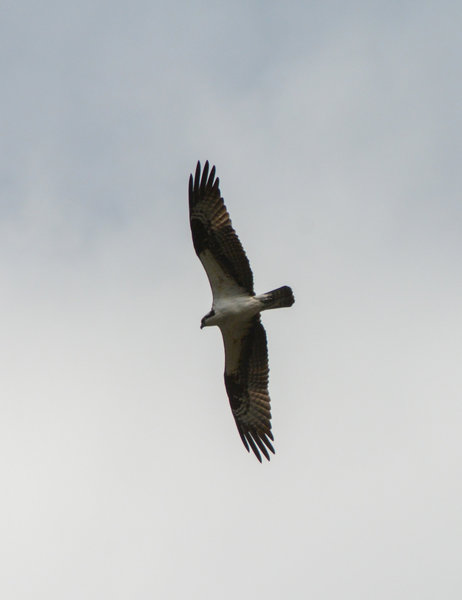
<point x="336" y="131"/>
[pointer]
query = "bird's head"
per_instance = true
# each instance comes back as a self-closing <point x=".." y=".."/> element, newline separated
<point x="208" y="316"/>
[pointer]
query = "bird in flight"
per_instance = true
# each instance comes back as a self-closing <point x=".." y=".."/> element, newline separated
<point x="235" y="310"/>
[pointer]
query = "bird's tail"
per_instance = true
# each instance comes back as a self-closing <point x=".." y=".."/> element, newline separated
<point x="279" y="298"/>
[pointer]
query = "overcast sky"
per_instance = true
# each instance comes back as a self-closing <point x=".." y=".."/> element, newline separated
<point x="335" y="128"/>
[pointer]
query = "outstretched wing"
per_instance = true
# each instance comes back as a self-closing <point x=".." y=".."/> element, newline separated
<point x="214" y="238"/>
<point x="246" y="380"/>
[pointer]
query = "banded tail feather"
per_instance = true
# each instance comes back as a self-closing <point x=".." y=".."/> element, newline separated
<point x="280" y="298"/>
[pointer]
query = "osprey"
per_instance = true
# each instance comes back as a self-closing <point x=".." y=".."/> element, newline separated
<point x="235" y="310"/>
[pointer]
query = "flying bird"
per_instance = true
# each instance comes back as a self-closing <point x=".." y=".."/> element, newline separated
<point x="235" y="310"/>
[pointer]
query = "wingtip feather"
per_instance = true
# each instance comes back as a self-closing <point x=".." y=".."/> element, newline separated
<point x="266" y="441"/>
<point x="211" y="177"/>
<point x="253" y="446"/>
<point x="205" y="173"/>
<point x="197" y="175"/>
<point x="255" y="441"/>
<point x="261" y="445"/>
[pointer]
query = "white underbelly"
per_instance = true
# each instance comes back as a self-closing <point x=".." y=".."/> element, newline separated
<point x="237" y="308"/>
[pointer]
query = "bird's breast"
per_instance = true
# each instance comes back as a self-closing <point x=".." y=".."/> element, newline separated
<point x="237" y="307"/>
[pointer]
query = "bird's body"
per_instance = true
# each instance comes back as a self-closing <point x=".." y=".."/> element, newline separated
<point x="235" y="310"/>
<point x="230" y="309"/>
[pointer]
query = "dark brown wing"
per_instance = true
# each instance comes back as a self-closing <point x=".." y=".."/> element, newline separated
<point x="214" y="238"/>
<point x="246" y="380"/>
